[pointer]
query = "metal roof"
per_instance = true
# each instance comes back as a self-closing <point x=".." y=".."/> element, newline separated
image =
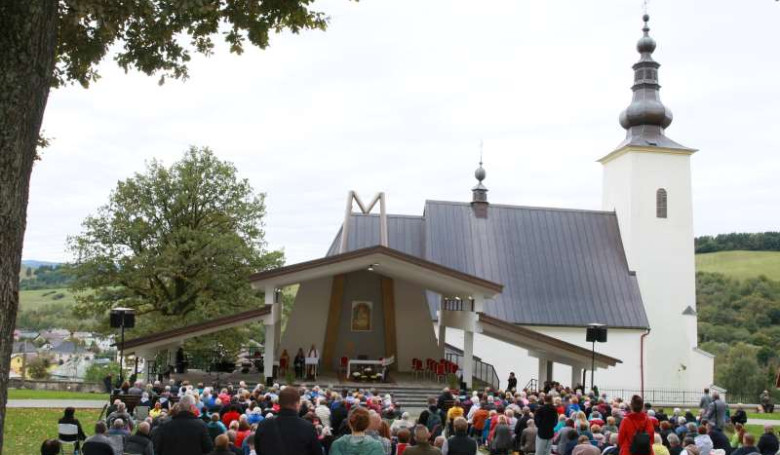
<point x="559" y="267"/>
<point x="405" y="234"/>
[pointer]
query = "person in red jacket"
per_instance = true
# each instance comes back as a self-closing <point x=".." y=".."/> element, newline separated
<point x="632" y="424"/>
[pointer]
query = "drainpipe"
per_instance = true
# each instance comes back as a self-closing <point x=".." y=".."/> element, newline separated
<point x="642" y="361"/>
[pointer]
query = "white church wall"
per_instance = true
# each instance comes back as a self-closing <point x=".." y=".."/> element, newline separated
<point x="308" y="318"/>
<point x="623" y="344"/>
<point x="661" y="251"/>
<point x="415" y="336"/>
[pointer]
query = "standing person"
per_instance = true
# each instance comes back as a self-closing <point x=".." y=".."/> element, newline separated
<point x="357" y="442"/>
<point x="706" y="399"/>
<point x="716" y="411"/>
<point x="140" y="443"/>
<point x="299" y="362"/>
<point x="635" y="435"/>
<point x="313" y="354"/>
<point x="546" y="419"/>
<point x="511" y="383"/>
<point x="108" y="382"/>
<point x="287" y="433"/>
<point x="184" y="434"/>
<point x="461" y="444"/>
<point x="768" y="443"/>
<point x="423" y="446"/>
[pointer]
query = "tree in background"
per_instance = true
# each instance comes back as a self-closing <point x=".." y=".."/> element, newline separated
<point x="177" y="244"/>
<point x="38" y="368"/>
<point x="47" y="43"/>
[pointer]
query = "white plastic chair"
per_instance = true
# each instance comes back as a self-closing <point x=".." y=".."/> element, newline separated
<point x="70" y="431"/>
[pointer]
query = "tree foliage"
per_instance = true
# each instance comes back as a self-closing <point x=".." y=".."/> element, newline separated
<point x="38" y="368"/>
<point x="159" y="36"/>
<point x="175" y="243"/>
<point x="760" y="241"/>
<point x="739" y="322"/>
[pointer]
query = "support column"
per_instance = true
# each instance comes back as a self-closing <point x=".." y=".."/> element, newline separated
<point x="576" y="375"/>
<point x="272" y="333"/>
<point x="270" y="349"/>
<point x="442" y="334"/>
<point x="544" y="372"/>
<point x="550" y="370"/>
<point x="468" y="358"/>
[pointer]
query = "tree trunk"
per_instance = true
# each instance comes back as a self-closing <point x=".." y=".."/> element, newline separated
<point x="28" y="38"/>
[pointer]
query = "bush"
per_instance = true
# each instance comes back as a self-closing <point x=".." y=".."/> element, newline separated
<point x="38" y="368"/>
<point x="96" y="372"/>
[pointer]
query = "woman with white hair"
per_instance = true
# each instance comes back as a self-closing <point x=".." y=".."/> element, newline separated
<point x="405" y="422"/>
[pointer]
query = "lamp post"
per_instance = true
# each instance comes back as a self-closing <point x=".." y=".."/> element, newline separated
<point x="122" y="318"/>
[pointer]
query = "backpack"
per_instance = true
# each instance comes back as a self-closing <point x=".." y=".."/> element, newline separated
<point x="640" y="443"/>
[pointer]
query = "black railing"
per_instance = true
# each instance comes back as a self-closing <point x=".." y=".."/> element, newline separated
<point x="483" y="372"/>
<point x="533" y="385"/>
<point x="458" y="305"/>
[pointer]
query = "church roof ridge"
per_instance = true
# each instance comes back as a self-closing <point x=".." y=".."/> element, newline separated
<point x="527" y="207"/>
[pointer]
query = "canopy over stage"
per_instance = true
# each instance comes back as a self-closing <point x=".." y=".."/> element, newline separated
<point x="372" y="303"/>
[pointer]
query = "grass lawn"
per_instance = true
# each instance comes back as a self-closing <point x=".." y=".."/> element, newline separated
<point x="32" y="300"/>
<point x="26" y="429"/>
<point x="741" y="264"/>
<point x="25" y="394"/>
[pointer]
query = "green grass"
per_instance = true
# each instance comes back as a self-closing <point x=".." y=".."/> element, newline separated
<point x="741" y="264"/>
<point x="26" y="429"/>
<point x="26" y="394"/>
<point x="32" y="300"/>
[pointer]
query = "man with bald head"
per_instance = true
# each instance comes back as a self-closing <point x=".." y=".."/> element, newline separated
<point x="140" y="443"/>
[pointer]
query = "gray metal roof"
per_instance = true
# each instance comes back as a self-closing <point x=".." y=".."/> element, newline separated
<point x="559" y="267"/>
<point x="404" y="233"/>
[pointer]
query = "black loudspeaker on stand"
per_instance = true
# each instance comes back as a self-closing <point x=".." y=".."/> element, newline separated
<point x="118" y="315"/>
<point x="597" y="334"/>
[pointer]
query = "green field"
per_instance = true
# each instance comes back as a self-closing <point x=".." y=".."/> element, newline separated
<point x="741" y="264"/>
<point x="26" y="429"/>
<point x="26" y="394"/>
<point x="32" y="300"/>
<point x="755" y="415"/>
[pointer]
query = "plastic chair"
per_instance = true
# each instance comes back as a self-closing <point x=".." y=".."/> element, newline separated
<point x="343" y="362"/>
<point x="68" y="436"/>
<point x="441" y="371"/>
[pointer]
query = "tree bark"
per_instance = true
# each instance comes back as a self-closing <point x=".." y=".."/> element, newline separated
<point x="28" y="39"/>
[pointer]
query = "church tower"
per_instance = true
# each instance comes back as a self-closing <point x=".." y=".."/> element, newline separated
<point x="647" y="182"/>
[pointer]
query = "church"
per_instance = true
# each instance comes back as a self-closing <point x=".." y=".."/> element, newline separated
<point x="496" y="289"/>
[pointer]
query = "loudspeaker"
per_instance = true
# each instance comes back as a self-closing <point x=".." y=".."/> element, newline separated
<point x="596" y="333"/>
<point x="120" y="314"/>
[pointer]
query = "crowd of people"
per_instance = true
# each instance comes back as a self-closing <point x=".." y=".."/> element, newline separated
<point x="192" y="419"/>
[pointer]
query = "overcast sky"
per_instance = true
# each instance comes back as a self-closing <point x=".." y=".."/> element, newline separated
<point x="397" y="95"/>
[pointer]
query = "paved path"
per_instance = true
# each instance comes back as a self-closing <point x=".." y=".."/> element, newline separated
<point x="775" y="423"/>
<point x="57" y="404"/>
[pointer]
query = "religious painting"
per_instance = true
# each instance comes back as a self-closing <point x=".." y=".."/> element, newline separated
<point x="361" y="316"/>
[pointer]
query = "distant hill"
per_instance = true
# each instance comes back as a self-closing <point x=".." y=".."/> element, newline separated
<point x="35" y="264"/>
<point x="741" y="264"/>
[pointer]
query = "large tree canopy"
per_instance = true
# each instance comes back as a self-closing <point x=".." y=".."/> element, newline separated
<point x="45" y="43"/>
<point x="176" y="241"/>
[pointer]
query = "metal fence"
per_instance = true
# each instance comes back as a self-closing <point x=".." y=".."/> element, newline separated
<point x="675" y="397"/>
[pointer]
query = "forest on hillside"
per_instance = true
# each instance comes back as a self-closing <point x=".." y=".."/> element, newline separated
<point x="758" y="241"/>
<point x="739" y="322"/>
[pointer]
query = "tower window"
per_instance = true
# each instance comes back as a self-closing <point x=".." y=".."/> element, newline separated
<point x="660" y="203"/>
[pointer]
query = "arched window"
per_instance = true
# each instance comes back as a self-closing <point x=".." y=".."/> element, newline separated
<point x="660" y="203"/>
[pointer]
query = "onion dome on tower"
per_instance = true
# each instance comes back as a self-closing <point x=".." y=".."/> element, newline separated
<point x="479" y="202"/>
<point x="646" y="117"/>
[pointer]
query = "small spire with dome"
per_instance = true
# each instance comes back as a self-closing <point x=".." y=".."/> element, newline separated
<point x="479" y="200"/>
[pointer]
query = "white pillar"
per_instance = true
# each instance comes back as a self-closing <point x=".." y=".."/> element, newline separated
<point x="576" y="375"/>
<point x="270" y="349"/>
<point x="271" y="335"/>
<point x="442" y="333"/>
<point x="468" y="357"/>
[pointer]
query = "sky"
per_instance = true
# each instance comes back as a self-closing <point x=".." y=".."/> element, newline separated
<point x="396" y="96"/>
